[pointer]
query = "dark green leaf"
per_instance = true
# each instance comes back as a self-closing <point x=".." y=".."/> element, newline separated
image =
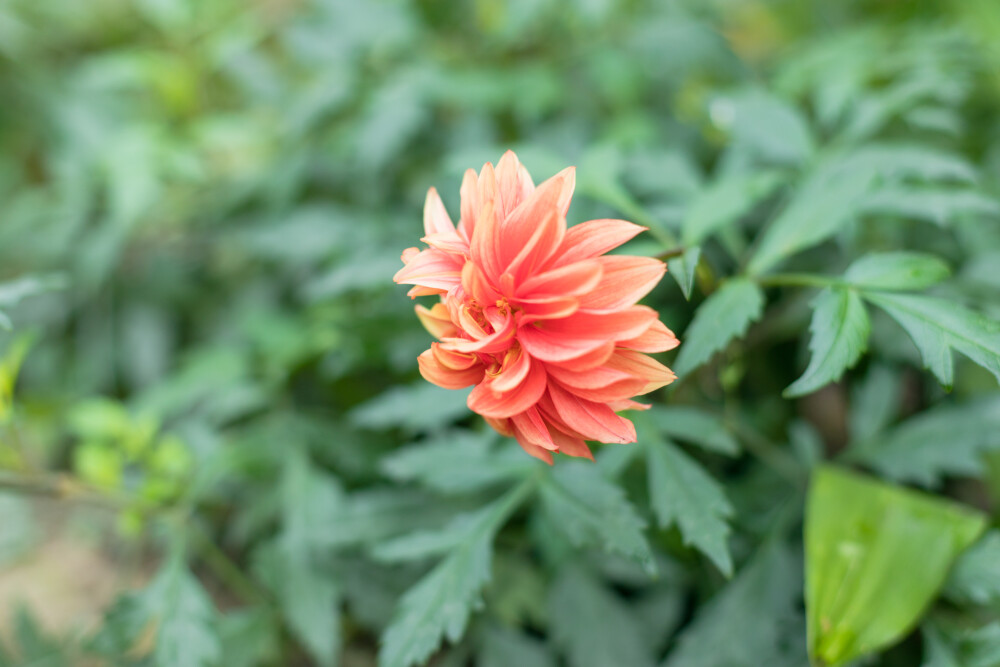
<point x="186" y="633"/>
<point x="419" y="407"/>
<point x="683" y="269"/>
<point x="696" y="426"/>
<point x="840" y="329"/>
<point x="976" y="575"/>
<point x="725" y="315"/>
<point x="503" y="647"/>
<point x="725" y="202"/>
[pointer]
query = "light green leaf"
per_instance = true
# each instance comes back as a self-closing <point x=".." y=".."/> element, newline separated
<point x="725" y="315"/>
<point x="683" y="269"/>
<point x="505" y="647"/>
<point x="976" y="575"/>
<point x="941" y="206"/>
<point x="950" y="646"/>
<point x="765" y="124"/>
<point x="249" y="637"/>
<point x="938" y="325"/>
<point x="419" y="407"/>
<point x="593" y="625"/>
<point x="891" y="271"/>
<point x="840" y="329"/>
<point x="947" y="439"/>
<point x="696" y="426"/>
<point x="592" y="510"/>
<point x="874" y="402"/>
<point x="753" y="621"/>
<point x="683" y="493"/>
<point x="186" y="635"/>
<point x="726" y="201"/>
<point x="439" y="605"/>
<point x="876" y="555"/>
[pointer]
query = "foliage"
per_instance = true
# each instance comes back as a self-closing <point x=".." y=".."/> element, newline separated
<point x="204" y="202"/>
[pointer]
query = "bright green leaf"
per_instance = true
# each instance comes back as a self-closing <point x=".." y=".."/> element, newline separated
<point x="725" y="315"/>
<point x="876" y="555"/>
<point x="840" y="329"/>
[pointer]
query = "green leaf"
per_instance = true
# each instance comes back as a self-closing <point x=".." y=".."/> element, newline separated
<point x="840" y="329"/>
<point x="682" y="492"/>
<point x="504" y="647"/>
<point x="186" y="633"/>
<point x="937" y="325"/>
<point x="439" y="605"/>
<point x="696" y="426"/>
<point x="593" y="510"/>
<point x="683" y="269"/>
<point x="592" y="625"/>
<point x="725" y="315"/>
<point x="907" y="271"/>
<point x="941" y="206"/>
<point x="876" y="555"/>
<point x="419" y="407"/>
<point x="753" y="621"/>
<point x="726" y="201"/>
<point x="249" y="637"/>
<point x="947" y="646"/>
<point x="948" y="439"/>
<point x="457" y="462"/>
<point x="976" y="575"/>
<point x="874" y="402"/>
<point x="767" y="125"/>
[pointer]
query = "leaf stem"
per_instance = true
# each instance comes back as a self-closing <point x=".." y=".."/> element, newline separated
<point x="671" y="253"/>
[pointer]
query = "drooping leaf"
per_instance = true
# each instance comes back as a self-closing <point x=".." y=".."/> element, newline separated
<point x="725" y="315"/>
<point x="726" y="201"/>
<point x="683" y="269"/>
<point x="946" y="440"/>
<point x="683" y="493"/>
<point x="592" y="625"/>
<point x="753" y="621"/>
<point x="840" y="329"/>
<point x="937" y="326"/>
<point x="696" y="426"/>
<point x="876" y="555"/>
<point x="593" y="511"/>
<point x="439" y="605"/>
<point x="976" y="575"/>
<point x="905" y="271"/>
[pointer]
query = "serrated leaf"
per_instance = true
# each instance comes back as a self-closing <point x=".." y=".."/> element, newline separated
<point x="683" y="493"/>
<point x="876" y="555"/>
<point x="592" y="625"/>
<point x="186" y="634"/>
<point x="874" y="402"/>
<point x="840" y="329"/>
<point x="439" y="605"/>
<point x="696" y="426"/>
<point x="457" y="462"/>
<point x="593" y="511"/>
<point x="724" y="315"/>
<point x="725" y="202"/>
<point x="957" y="646"/>
<point x="945" y="440"/>
<point x="937" y="325"/>
<point x="976" y="575"/>
<point x="504" y="647"/>
<point x="752" y="621"/>
<point x="683" y="269"/>
<point x="419" y="407"/>
<point x="890" y="271"/>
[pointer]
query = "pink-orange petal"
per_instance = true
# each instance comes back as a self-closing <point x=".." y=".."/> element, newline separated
<point x="485" y="239"/>
<point x="436" y="219"/>
<point x="436" y="319"/>
<point x="513" y="371"/>
<point x="572" y="446"/>
<point x="455" y="361"/>
<point x="528" y="257"/>
<point x="572" y="280"/>
<point x="430" y="268"/>
<point x="533" y="428"/>
<point x="435" y="373"/>
<point x="657" y="338"/>
<point x="591" y="378"/>
<point x="551" y="198"/>
<point x="595" y="237"/>
<point x="624" y="281"/>
<point x="489" y="403"/>
<point x="595" y="421"/>
<point x="547" y="308"/>
<point x="470" y="204"/>
<point x="652" y="372"/>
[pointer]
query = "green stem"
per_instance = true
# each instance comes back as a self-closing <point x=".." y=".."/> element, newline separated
<point x="671" y="253"/>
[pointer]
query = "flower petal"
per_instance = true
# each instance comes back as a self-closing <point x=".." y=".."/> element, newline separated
<point x="436" y="219"/>
<point x="532" y="428"/>
<point x="470" y="204"/>
<point x="430" y="268"/>
<point x="437" y="320"/>
<point x="572" y="280"/>
<point x="571" y="446"/>
<point x="624" y="280"/>
<point x="513" y="371"/>
<point x="550" y="198"/>
<point x="595" y="237"/>
<point x="489" y="403"/>
<point x="657" y="338"/>
<point x="435" y="373"/>
<point x="595" y="421"/>
<point x="537" y="249"/>
<point x="638" y="365"/>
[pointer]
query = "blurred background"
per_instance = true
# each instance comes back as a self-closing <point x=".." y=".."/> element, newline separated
<point x="202" y="203"/>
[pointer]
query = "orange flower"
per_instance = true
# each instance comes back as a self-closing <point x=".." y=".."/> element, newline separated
<point x="534" y="314"/>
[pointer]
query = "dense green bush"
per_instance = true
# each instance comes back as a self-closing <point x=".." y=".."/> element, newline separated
<point x="203" y="204"/>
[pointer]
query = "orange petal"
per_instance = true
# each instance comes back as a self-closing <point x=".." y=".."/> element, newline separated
<point x="534" y="450"/>
<point x="572" y="446"/>
<point x="547" y="308"/>
<point x="572" y="280"/>
<point x="530" y="426"/>
<point x="436" y="219"/>
<point x="470" y="204"/>
<point x="513" y="371"/>
<point x="513" y="182"/>
<point x="592" y="378"/>
<point x="435" y="373"/>
<point x="624" y="281"/>
<point x="551" y="198"/>
<point x="595" y="421"/>
<point x="430" y="268"/>
<point x="657" y="338"/>
<point x="485" y="240"/>
<point x="595" y="237"/>
<point x="476" y="285"/>
<point x="537" y="249"/>
<point x="638" y="365"/>
<point x="489" y="403"/>
<point x="592" y="359"/>
<point x="455" y="361"/>
<point x="437" y="320"/>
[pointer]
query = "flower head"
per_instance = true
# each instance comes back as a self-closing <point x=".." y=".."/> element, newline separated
<point x="534" y="314"/>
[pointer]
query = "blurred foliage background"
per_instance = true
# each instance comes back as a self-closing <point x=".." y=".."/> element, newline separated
<point x="215" y="448"/>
